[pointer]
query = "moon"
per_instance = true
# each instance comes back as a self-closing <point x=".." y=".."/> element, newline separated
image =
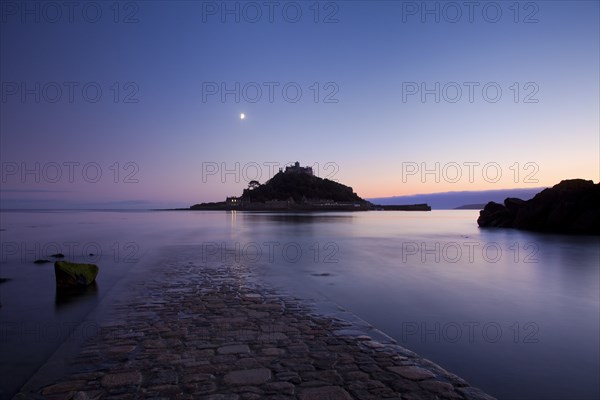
<point x="242" y="116"/>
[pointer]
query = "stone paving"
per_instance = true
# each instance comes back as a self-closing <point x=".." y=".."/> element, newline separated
<point x="190" y="331"/>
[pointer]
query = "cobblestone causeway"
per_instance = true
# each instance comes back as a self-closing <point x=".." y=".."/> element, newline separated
<point x="189" y="331"/>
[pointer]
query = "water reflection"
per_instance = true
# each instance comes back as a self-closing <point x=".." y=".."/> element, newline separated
<point x="67" y="296"/>
<point x="423" y="278"/>
<point x="298" y="218"/>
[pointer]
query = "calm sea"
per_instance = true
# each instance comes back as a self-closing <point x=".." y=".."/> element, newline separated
<point x="514" y="313"/>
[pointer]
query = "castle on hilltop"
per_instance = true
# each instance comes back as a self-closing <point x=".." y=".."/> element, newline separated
<point x="297" y="189"/>
<point x="297" y="169"/>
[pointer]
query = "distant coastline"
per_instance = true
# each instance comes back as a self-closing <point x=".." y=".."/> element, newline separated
<point x="471" y="207"/>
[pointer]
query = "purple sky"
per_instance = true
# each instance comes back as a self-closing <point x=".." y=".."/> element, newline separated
<point x="139" y="105"/>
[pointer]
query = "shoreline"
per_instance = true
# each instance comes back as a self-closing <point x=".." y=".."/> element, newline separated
<point x="304" y="207"/>
<point x="189" y="331"/>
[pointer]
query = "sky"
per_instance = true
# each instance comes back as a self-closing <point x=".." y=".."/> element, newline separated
<point x="137" y="104"/>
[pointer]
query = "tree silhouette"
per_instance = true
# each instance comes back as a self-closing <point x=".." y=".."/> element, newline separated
<point x="253" y="184"/>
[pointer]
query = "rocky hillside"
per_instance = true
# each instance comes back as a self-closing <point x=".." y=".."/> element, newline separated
<point x="300" y="188"/>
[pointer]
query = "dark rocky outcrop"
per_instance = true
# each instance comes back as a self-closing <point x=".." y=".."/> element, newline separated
<point x="296" y="191"/>
<point x="300" y="188"/>
<point x="572" y="206"/>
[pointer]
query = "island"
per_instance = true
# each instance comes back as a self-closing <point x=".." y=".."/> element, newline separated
<point x="297" y="189"/>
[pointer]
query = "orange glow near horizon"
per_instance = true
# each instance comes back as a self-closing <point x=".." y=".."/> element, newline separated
<point x="370" y="189"/>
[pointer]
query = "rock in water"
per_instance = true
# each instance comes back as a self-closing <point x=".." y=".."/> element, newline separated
<point x="572" y="206"/>
<point x="73" y="274"/>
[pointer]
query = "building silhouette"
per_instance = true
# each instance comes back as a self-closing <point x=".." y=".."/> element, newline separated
<point x="297" y="169"/>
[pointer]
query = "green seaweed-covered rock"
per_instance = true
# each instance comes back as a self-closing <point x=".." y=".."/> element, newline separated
<point x="70" y="274"/>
